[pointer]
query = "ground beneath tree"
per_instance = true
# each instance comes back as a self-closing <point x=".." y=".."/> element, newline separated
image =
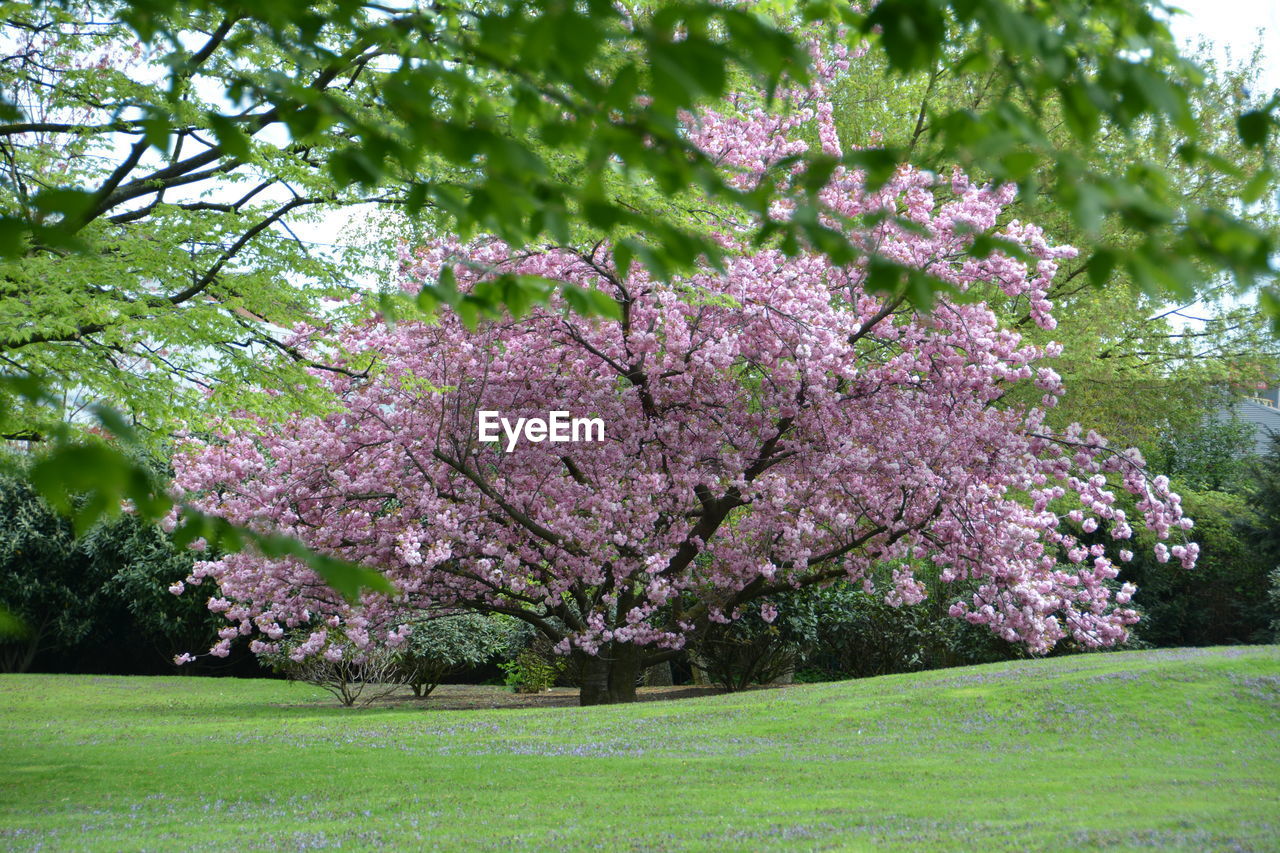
<point x="463" y="697"/>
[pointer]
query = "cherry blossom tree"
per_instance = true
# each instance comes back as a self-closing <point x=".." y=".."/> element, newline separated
<point x="770" y="425"/>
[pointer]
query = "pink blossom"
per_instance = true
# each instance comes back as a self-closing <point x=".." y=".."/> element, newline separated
<point x="769" y="425"/>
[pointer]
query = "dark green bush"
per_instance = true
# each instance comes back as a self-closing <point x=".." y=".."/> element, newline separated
<point x="751" y="650"/>
<point x="1223" y="600"/>
<point x="1212" y="456"/>
<point x="101" y="600"/>
<point x="1261" y="531"/>
<point x="1274" y="598"/>
<point x="840" y="631"/>
<point x="859" y="635"/>
<point x="443" y="646"/>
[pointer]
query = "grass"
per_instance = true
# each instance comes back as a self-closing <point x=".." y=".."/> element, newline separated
<point x="1157" y="750"/>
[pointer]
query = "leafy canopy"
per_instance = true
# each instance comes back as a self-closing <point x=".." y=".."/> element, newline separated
<point x="496" y="90"/>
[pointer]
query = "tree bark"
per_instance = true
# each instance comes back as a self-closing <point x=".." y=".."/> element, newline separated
<point x="658" y="675"/>
<point x="698" y="671"/>
<point x="595" y="680"/>
<point x="610" y="677"/>
<point x="624" y="673"/>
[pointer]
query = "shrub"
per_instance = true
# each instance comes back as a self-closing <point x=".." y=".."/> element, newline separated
<point x="350" y="673"/>
<point x="1224" y="600"/>
<point x="1274" y="597"/>
<point x="840" y="631"/>
<point x="100" y="601"/>
<point x="42" y="581"/>
<point x="445" y="645"/>
<point x="859" y="634"/>
<point x="753" y="650"/>
<point x="743" y="654"/>
<point x="530" y="672"/>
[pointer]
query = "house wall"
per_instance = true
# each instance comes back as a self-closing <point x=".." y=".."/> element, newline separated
<point x="1264" y="415"/>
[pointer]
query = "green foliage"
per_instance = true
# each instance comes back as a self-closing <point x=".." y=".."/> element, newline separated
<point x="1213" y="456"/>
<point x="1274" y="597"/>
<point x="163" y="254"/>
<point x="471" y="120"/>
<point x="445" y="645"/>
<point x="530" y="672"/>
<point x="106" y="589"/>
<point x="42" y="582"/>
<point x="1138" y="364"/>
<point x="1264" y="497"/>
<point x="1224" y="598"/>
<point x="91" y="479"/>
<point x="840" y="631"/>
<point x="1091" y="72"/>
<point x="752" y="651"/>
<point x="859" y="635"/>
<point x="1262" y="529"/>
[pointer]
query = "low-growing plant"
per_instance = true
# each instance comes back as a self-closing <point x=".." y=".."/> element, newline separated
<point x="530" y="672"/>
<point x="350" y="673"/>
<point x="445" y="645"/>
<point x="757" y="650"/>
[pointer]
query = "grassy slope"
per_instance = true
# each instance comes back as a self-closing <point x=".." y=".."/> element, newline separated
<point x="1177" y="748"/>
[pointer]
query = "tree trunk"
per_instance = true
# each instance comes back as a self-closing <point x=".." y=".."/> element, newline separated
<point x="659" y="675"/>
<point x="595" y="680"/>
<point x="610" y="678"/>
<point x="18" y="655"/>
<point x="698" y="671"/>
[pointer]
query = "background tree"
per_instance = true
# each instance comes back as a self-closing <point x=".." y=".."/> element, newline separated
<point x="1215" y="455"/>
<point x="197" y="244"/>
<point x="97" y="603"/>
<point x="1141" y="362"/>
<point x="42" y="587"/>
<point x="1226" y="602"/>
<point x="1263" y="531"/>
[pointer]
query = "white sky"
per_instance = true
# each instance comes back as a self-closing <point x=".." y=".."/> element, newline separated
<point x="1233" y="25"/>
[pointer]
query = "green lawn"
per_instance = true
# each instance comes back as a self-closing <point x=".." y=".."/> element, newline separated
<point x="1155" y="750"/>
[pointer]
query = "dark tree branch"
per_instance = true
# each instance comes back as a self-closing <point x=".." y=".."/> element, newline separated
<point x="211" y="274"/>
